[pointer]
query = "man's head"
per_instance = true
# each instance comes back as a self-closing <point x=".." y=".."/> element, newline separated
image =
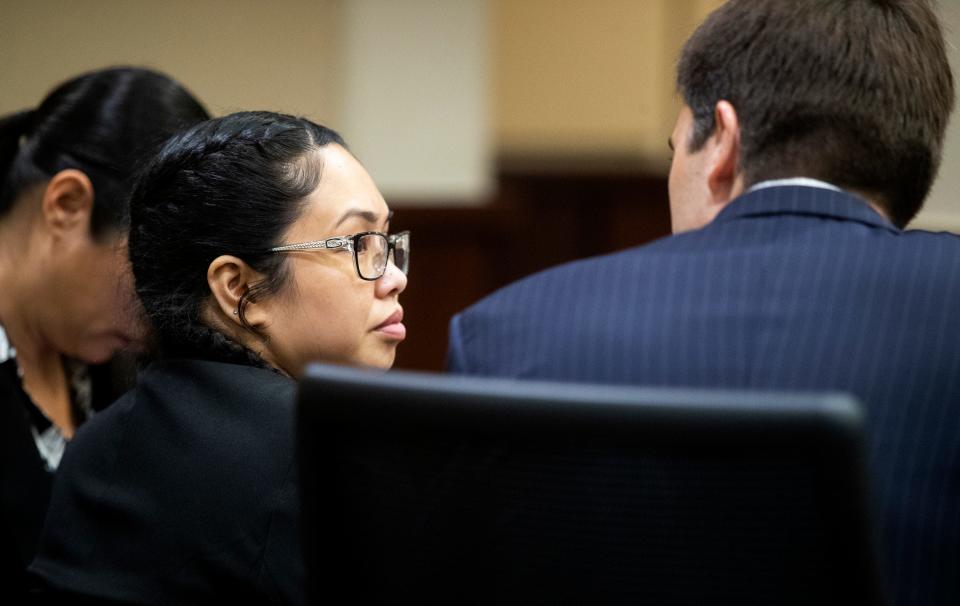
<point x="854" y="92"/>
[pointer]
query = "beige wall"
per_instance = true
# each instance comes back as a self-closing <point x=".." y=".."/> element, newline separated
<point x="234" y="54"/>
<point x="589" y="78"/>
<point x="942" y="210"/>
<point x="415" y="97"/>
<point x="405" y="81"/>
<point x="567" y="78"/>
<point x="594" y="81"/>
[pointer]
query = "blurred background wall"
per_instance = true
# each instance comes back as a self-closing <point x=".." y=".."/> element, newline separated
<point x="510" y="135"/>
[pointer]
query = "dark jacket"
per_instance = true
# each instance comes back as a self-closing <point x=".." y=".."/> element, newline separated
<point x="183" y="491"/>
<point x="26" y="479"/>
<point x="25" y="483"/>
<point x="792" y="288"/>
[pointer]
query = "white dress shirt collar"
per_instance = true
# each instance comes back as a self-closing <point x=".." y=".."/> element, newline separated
<point x="803" y="181"/>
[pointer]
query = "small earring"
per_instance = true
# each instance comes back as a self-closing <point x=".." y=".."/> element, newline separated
<point x="236" y="311"/>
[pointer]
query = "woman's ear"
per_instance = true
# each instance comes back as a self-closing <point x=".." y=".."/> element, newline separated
<point x="230" y="279"/>
<point x="67" y="204"/>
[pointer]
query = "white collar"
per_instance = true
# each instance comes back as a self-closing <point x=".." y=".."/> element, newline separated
<point x="6" y="349"/>
<point x="804" y="181"/>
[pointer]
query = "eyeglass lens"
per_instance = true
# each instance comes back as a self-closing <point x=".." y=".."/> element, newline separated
<point x="372" y="251"/>
<point x="401" y="252"/>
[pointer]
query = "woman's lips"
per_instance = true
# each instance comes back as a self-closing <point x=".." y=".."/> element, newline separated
<point x="393" y="326"/>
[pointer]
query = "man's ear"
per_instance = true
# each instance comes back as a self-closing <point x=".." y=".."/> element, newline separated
<point x="230" y="278"/>
<point x="68" y="202"/>
<point x="724" y="178"/>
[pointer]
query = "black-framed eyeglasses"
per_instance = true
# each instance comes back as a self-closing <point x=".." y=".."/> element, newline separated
<point x="371" y="250"/>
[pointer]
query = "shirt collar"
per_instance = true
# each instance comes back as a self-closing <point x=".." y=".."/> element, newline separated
<point x="47" y="437"/>
<point x="6" y="350"/>
<point x="799" y="197"/>
<point x="802" y="181"/>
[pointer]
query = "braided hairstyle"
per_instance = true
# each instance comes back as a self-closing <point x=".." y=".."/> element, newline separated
<point x="229" y="186"/>
<point x="102" y="123"/>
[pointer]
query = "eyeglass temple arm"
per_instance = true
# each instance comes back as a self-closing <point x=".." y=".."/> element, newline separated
<point x="315" y="245"/>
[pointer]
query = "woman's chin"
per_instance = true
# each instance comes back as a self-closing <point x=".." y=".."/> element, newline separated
<point x="383" y="358"/>
<point x="379" y="361"/>
<point x="94" y="357"/>
<point x="104" y="349"/>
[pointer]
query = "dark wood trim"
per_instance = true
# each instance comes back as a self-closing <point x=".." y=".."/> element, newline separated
<point x="536" y="220"/>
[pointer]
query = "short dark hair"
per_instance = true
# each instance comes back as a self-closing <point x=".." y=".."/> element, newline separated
<point x="854" y="92"/>
<point x="229" y="186"/>
<point x="103" y="123"/>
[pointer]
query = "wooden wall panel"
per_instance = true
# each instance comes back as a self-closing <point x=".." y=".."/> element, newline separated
<point x="536" y="221"/>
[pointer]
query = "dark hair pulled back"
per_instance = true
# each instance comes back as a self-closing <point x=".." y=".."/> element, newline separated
<point x="102" y="123"/>
<point x="229" y="186"/>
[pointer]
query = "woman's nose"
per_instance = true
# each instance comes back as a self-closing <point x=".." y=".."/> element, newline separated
<point x="392" y="282"/>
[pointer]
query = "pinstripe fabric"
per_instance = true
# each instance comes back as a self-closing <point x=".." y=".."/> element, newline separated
<point x="794" y="288"/>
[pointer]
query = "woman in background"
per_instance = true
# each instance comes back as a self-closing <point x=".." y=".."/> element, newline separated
<point x="65" y="289"/>
<point x="258" y="243"/>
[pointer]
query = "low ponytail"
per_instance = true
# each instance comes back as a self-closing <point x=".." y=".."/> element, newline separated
<point x="13" y="128"/>
<point x="103" y="123"/>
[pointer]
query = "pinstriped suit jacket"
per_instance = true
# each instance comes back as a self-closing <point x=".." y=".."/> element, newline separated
<point x="791" y="287"/>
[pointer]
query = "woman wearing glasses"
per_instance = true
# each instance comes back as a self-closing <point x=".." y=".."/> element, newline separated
<point x="66" y="294"/>
<point x="258" y="244"/>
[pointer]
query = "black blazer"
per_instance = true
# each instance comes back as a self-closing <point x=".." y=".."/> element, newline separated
<point x="25" y="480"/>
<point x="25" y="483"/>
<point x="181" y="492"/>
